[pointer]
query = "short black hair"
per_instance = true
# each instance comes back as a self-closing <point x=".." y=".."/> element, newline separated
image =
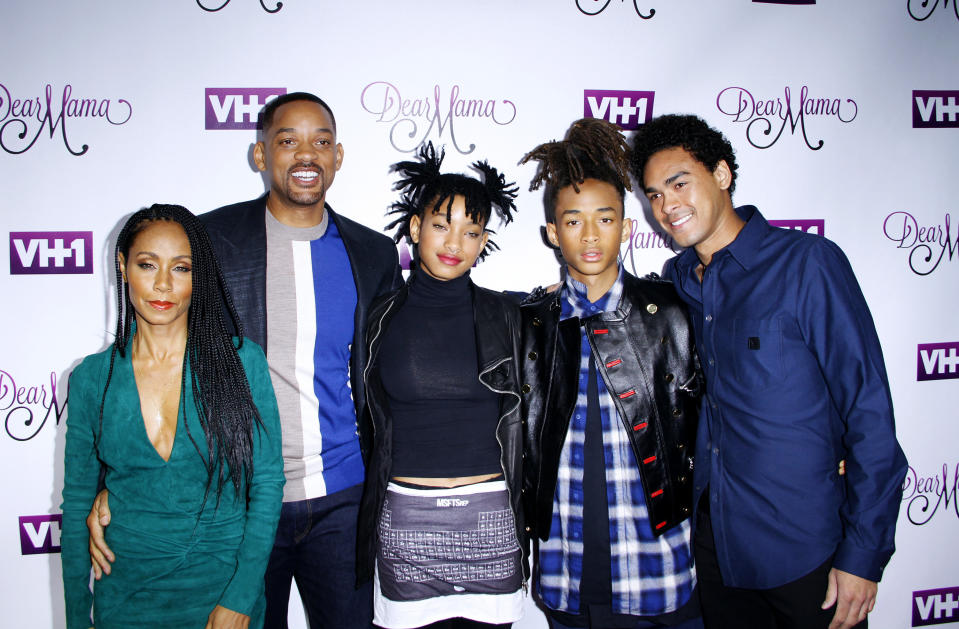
<point x="688" y="132"/>
<point x="269" y="111"/>
<point x="592" y="149"/>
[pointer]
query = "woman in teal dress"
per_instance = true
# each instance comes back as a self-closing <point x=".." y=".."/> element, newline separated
<point x="178" y="420"/>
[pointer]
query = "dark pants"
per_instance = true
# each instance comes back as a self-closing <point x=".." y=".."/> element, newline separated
<point x="693" y="623"/>
<point x="795" y="605"/>
<point x="464" y="623"/>
<point x="316" y="545"/>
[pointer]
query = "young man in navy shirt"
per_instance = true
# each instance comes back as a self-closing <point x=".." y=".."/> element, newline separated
<point x="795" y="383"/>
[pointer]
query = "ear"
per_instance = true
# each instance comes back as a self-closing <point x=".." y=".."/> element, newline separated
<point x="551" y="234"/>
<point x="485" y="240"/>
<point x="627" y="229"/>
<point x="415" y="229"/>
<point x="259" y="156"/>
<point x="339" y="155"/>
<point x="123" y="267"/>
<point x="722" y="174"/>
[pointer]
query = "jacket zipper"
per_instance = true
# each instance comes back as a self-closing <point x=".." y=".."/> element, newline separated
<point x="369" y="359"/>
<point x="502" y="417"/>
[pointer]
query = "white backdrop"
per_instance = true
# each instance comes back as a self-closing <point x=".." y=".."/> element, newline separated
<point x="109" y="106"/>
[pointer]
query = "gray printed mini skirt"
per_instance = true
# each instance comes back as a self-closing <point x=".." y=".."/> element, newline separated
<point x="447" y="553"/>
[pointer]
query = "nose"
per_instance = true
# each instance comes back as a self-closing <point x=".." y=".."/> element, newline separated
<point x="590" y="231"/>
<point x="669" y="202"/>
<point x="454" y="241"/>
<point x="305" y="152"/>
<point x="162" y="281"/>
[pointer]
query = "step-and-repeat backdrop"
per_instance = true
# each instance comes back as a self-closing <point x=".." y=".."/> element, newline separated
<point x="844" y="114"/>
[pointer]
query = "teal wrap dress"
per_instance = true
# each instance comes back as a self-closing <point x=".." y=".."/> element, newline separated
<point x="176" y="556"/>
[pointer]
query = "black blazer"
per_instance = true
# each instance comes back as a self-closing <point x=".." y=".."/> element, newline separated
<point x="238" y="233"/>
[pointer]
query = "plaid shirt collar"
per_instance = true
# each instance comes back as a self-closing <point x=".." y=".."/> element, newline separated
<point x="575" y="303"/>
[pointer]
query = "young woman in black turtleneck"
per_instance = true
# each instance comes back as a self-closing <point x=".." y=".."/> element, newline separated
<point x="441" y="528"/>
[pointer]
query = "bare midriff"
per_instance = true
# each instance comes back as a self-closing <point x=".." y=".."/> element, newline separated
<point x="458" y="481"/>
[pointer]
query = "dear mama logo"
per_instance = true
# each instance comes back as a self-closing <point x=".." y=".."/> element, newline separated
<point x="595" y="7"/>
<point x="213" y="9"/>
<point x="23" y="119"/>
<point x="767" y="117"/>
<point x="922" y="10"/>
<point x="413" y="121"/>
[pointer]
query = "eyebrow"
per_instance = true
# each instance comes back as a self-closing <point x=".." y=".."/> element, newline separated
<point x="668" y="181"/>
<point x="186" y="256"/>
<point x="608" y="208"/>
<point x="293" y="130"/>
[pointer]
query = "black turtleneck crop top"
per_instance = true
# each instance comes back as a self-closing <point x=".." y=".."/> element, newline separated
<point x="443" y="418"/>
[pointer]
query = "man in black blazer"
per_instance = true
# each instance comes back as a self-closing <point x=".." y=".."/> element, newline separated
<point x="302" y="278"/>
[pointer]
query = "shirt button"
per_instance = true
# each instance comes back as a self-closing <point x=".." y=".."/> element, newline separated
<point x="709" y="317"/>
<point x="713" y="404"/>
<point x="711" y="362"/>
<point x="715" y="450"/>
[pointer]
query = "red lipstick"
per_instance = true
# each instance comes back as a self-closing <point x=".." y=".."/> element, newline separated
<point x="161" y="305"/>
<point x="449" y="260"/>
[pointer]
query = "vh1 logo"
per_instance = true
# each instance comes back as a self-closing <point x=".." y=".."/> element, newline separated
<point x="237" y="107"/>
<point x="938" y="361"/>
<point x="812" y="225"/>
<point x="40" y="534"/>
<point x="935" y="108"/>
<point x="46" y="253"/>
<point x="935" y="607"/>
<point x="629" y="110"/>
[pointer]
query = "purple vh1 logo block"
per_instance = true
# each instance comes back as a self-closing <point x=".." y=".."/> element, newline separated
<point x="40" y="534"/>
<point x="629" y="110"/>
<point x="938" y="361"/>
<point x="237" y="107"/>
<point x="48" y="253"/>
<point x="935" y="108"/>
<point x="812" y="225"/>
<point x="935" y="607"/>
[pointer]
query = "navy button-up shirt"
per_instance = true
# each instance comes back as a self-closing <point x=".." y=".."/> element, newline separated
<point x="795" y="383"/>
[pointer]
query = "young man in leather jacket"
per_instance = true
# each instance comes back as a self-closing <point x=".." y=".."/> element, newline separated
<point x="611" y="394"/>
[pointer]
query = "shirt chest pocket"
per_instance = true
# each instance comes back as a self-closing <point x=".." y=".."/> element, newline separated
<point x="757" y="352"/>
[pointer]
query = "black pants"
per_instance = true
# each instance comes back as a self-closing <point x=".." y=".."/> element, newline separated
<point x="795" y="605"/>
<point x="464" y="623"/>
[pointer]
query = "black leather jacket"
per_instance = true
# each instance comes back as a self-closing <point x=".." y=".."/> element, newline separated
<point x="496" y="319"/>
<point x="644" y="351"/>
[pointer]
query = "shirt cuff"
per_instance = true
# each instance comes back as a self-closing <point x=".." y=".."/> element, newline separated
<point x="867" y="564"/>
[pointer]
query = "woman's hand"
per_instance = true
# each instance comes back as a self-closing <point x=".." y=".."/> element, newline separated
<point x="223" y="618"/>
<point x="97" y="521"/>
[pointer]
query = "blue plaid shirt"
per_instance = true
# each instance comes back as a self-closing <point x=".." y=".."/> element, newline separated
<point x="649" y="575"/>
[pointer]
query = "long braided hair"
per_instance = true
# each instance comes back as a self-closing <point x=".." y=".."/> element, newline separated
<point x="591" y="149"/>
<point x="423" y="187"/>
<point x="220" y="388"/>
